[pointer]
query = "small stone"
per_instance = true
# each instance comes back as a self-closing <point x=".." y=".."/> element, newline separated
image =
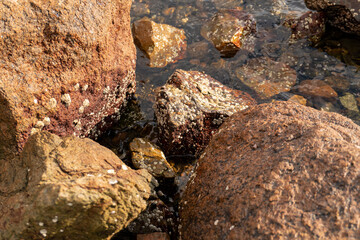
<point x="77" y="87"/>
<point x="316" y="88"/>
<point x="85" y="87"/>
<point x="39" y="125"/>
<point x="113" y="181"/>
<point x="52" y="103"/>
<point x="298" y="99"/>
<point x="43" y="232"/>
<point x="46" y="121"/>
<point x="349" y="102"/>
<point x="81" y="109"/>
<point x="66" y="99"/>
<point x="86" y="103"/>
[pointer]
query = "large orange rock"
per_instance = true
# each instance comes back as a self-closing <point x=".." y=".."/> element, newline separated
<point x="64" y="66"/>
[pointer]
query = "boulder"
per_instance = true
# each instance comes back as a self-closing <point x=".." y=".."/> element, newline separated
<point x="162" y="43"/>
<point x="230" y="30"/>
<point x="64" y="67"/>
<point x="189" y="109"/>
<point x="343" y="14"/>
<point x="276" y="171"/>
<point x="71" y="188"/>
<point x="267" y="77"/>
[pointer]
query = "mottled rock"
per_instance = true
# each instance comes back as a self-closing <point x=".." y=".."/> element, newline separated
<point x="146" y="155"/>
<point x="315" y="88"/>
<point x="309" y="25"/>
<point x="298" y="99"/>
<point x="267" y="77"/>
<point x="71" y="187"/>
<point x="153" y="236"/>
<point x="276" y="171"/>
<point x="54" y="56"/>
<point x="349" y="102"/>
<point x="230" y="30"/>
<point x="343" y="14"/>
<point x="338" y="82"/>
<point x="162" y="43"/>
<point x="189" y="109"/>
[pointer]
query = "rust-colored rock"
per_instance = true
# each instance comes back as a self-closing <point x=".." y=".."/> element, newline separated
<point x="71" y="188"/>
<point x="343" y="14"/>
<point x="316" y="88"/>
<point x="276" y="171"/>
<point x="153" y="236"/>
<point x="162" y="43"/>
<point x="298" y="99"/>
<point x="65" y="65"/>
<point x="266" y="76"/>
<point x="230" y="30"/>
<point x="189" y="109"/>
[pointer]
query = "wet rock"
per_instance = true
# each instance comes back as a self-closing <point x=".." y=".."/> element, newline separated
<point x="146" y="155"/>
<point x="298" y="99"/>
<point x="198" y="49"/>
<point x="349" y="102"/>
<point x="273" y="171"/>
<point x="72" y="187"/>
<point x="338" y="82"/>
<point x="230" y="30"/>
<point x="54" y="56"/>
<point x="316" y="88"/>
<point x="153" y="236"/>
<point x="309" y="25"/>
<point x="267" y="77"/>
<point x="189" y="109"/>
<point x="162" y="43"/>
<point x="343" y="14"/>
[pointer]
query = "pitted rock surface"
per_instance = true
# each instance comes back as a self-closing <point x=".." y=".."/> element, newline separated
<point x="72" y="188"/>
<point x="162" y="43"/>
<point x="64" y="66"/>
<point x="190" y="107"/>
<point x="343" y="14"/>
<point x="276" y="171"/>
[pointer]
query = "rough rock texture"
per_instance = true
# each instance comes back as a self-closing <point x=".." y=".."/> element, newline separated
<point x="145" y="155"/>
<point x="64" y="66"/>
<point x="189" y="109"/>
<point x="71" y="188"/>
<point x="276" y="171"/>
<point x="343" y="14"/>
<point x="316" y="88"/>
<point x="266" y="76"/>
<point x="230" y="30"/>
<point x="162" y="43"/>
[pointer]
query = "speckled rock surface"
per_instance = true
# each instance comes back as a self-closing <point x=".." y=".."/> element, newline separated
<point x="64" y="66"/>
<point x="230" y="30"/>
<point x="162" y="43"/>
<point x="71" y="188"/>
<point x="145" y="155"/>
<point x="267" y="77"/>
<point x="316" y="88"/>
<point x="343" y="14"/>
<point x="276" y="171"/>
<point x="189" y="109"/>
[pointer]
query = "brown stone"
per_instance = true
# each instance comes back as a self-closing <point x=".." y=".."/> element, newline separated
<point x="153" y="236"/>
<point x="67" y="64"/>
<point x="316" y="88"/>
<point x="266" y="76"/>
<point x="298" y="99"/>
<point x="162" y="43"/>
<point x="189" y="109"/>
<point x="71" y="188"/>
<point x="276" y="171"/>
<point x="338" y="82"/>
<point x="230" y="30"/>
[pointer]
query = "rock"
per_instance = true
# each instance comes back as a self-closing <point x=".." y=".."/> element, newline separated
<point x="343" y="14"/>
<point x="153" y="236"/>
<point x="198" y="49"/>
<point x="230" y="30"/>
<point x="146" y="155"/>
<point x="72" y="187"/>
<point x="309" y="25"/>
<point x="162" y="43"/>
<point x="338" y="82"/>
<point x="266" y="76"/>
<point x="349" y="102"/>
<point x="298" y="99"/>
<point x="54" y="56"/>
<point x="276" y="171"/>
<point x="189" y="109"/>
<point x="316" y="88"/>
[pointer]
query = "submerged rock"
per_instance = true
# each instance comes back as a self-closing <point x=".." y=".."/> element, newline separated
<point x="189" y="109"/>
<point x="162" y="43"/>
<point x="266" y="76"/>
<point x="343" y="14"/>
<point x="349" y="102"/>
<point x="276" y="171"/>
<point x="316" y="88"/>
<point x="69" y="64"/>
<point x="72" y="188"/>
<point x="230" y="30"/>
<point x="146" y="155"/>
